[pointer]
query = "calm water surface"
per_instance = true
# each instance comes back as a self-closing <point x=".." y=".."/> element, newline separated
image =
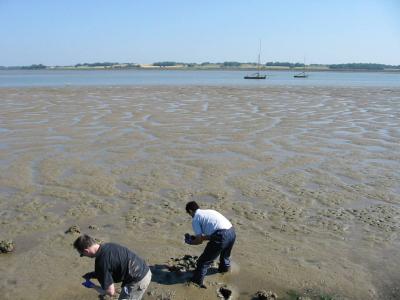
<point x="30" y="78"/>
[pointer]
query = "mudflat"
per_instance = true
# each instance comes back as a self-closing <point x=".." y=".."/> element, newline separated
<point x="309" y="176"/>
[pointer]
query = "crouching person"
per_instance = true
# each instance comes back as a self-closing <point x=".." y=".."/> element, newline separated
<point x="114" y="264"/>
<point x="209" y="225"/>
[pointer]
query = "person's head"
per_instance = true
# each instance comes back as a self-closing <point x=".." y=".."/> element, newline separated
<point x="86" y="245"/>
<point x="191" y="207"/>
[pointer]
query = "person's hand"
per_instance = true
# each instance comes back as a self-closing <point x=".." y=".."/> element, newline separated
<point x="188" y="238"/>
<point x="89" y="275"/>
<point x="88" y="284"/>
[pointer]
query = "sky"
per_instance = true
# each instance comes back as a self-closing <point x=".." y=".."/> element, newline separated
<point x="145" y="31"/>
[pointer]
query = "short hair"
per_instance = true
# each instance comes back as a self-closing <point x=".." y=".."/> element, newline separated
<point x="83" y="242"/>
<point x="192" y="205"/>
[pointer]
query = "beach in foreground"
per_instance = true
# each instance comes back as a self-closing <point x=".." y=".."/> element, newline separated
<point x="309" y="176"/>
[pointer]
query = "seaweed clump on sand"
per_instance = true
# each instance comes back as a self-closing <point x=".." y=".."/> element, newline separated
<point x="265" y="295"/>
<point x="7" y="246"/>
<point x="182" y="264"/>
<point x="224" y="293"/>
<point x="73" y="229"/>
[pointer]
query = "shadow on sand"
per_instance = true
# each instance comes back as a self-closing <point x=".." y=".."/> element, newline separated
<point x="162" y="275"/>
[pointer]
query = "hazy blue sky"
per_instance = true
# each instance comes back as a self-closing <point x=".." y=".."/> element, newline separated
<point x="324" y="31"/>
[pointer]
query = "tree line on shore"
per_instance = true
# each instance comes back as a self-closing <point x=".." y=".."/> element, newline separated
<point x="224" y="65"/>
<point x="235" y="64"/>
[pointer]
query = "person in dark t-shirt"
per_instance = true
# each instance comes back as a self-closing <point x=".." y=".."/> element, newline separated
<point x="113" y="264"/>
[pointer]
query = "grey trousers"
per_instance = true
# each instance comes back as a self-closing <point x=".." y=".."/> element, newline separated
<point x="135" y="290"/>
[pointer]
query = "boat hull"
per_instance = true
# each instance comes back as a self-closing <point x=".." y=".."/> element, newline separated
<point x="255" y="77"/>
<point x="301" y="75"/>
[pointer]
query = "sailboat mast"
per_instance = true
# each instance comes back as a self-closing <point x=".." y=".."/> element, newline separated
<point x="259" y="60"/>
<point x="257" y="75"/>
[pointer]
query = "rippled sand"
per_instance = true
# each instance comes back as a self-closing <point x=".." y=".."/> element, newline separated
<point x="309" y="177"/>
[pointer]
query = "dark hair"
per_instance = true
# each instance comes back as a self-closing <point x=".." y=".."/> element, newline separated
<point x="192" y="205"/>
<point x="83" y="242"/>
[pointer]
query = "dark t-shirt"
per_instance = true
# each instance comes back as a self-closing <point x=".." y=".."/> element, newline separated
<point x="115" y="263"/>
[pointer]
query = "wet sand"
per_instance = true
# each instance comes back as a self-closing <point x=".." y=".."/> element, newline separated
<point x="308" y="176"/>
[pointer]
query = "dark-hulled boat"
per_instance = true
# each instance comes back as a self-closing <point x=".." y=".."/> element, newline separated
<point x="255" y="76"/>
<point x="301" y="75"/>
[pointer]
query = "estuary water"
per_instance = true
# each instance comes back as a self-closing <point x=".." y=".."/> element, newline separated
<point x="58" y="78"/>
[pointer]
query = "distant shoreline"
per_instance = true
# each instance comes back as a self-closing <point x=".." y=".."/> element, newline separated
<point x="264" y="69"/>
<point x="208" y="66"/>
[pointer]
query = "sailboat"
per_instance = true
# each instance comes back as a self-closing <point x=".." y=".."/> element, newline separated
<point x="302" y="74"/>
<point x="257" y="75"/>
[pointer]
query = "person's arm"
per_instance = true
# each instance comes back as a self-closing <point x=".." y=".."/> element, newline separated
<point x="110" y="290"/>
<point x="105" y="279"/>
<point x="199" y="236"/>
<point x="198" y="239"/>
